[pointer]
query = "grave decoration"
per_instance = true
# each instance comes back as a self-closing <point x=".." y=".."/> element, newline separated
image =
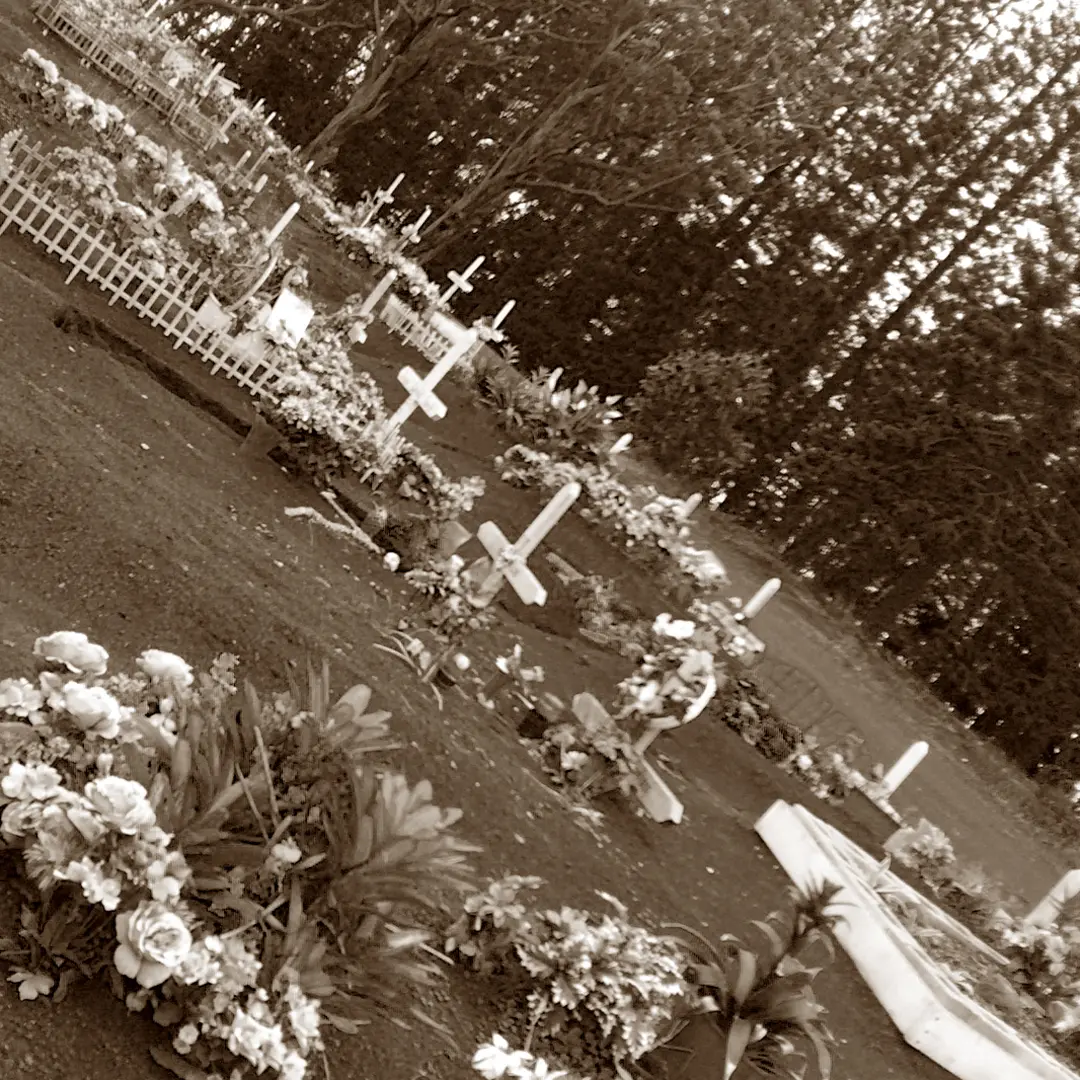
<point x="357" y="312"/>
<point x="1059" y="899"/>
<point x="510" y="675"/>
<point x="456" y="599"/>
<point x="651" y="527"/>
<point x="122" y="812"/>
<point x="509" y="562"/>
<point x="459" y="283"/>
<point x="421" y="394"/>
<point x="146" y="195"/>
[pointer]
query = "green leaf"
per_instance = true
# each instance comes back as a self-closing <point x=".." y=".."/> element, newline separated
<point x="744" y="980"/>
<point x="737" y="1041"/>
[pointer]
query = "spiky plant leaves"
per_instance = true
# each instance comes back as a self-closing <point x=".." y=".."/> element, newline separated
<point x="738" y="1039"/>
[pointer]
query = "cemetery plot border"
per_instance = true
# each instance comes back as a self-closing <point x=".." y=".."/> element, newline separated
<point x="934" y="1017"/>
<point x="27" y="202"/>
<point x="110" y="57"/>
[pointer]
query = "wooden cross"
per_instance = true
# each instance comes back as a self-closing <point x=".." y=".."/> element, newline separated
<point x="460" y="281"/>
<point x="422" y="391"/>
<point x="510" y="560"/>
<point x="381" y="199"/>
<point x="656" y="798"/>
<point x="410" y="234"/>
<point x="358" y="332"/>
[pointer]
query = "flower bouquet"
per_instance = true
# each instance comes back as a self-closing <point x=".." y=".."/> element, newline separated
<point x="207" y="854"/>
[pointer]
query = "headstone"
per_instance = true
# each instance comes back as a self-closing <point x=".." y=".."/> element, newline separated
<point x="381" y="199"/>
<point x="656" y="798"/>
<point x="460" y="282"/>
<point x="1048" y="909"/>
<point x="282" y="223"/>
<point x="410" y="234"/>
<point x="419" y="392"/>
<point x="358" y="331"/>
<point x="424" y="390"/>
<point x="903" y="768"/>
<point x="510" y="560"/>
<point x="289" y="318"/>
<point x="452" y="536"/>
<point x="753" y="606"/>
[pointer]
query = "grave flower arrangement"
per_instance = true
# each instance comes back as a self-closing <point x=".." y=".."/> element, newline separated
<point x="602" y="989"/>
<point x="444" y="606"/>
<point x="160" y="182"/>
<point x="675" y="680"/>
<point x="85" y="181"/>
<point x="590" y="755"/>
<point x="422" y="479"/>
<point x="925" y="849"/>
<point x="203" y="848"/>
<point x="495" y="1059"/>
<point x="326" y="410"/>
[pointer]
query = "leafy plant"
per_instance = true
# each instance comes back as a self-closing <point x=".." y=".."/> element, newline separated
<point x="607" y="619"/>
<point x="249" y="869"/>
<point x="584" y="969"/>
<point x="569" y="419"/>
<point x="695" y="411"/>
<point x="763" y="1005"/>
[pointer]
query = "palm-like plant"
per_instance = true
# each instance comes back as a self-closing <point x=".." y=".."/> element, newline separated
<point x="760" y="1009"/>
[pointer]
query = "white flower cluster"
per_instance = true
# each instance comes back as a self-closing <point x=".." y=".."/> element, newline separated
<point x="676" y="680"/>
<point x="495" y="1059"/>
<point x="66" y="804"/>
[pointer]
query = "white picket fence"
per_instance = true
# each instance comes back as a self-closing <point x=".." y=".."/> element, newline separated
<point x="28" y="201"/>
<point x="433" y="337"/>
<point x="179" y="108"/>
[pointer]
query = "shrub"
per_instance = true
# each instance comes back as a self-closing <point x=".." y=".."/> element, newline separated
<point x="694" y="410"/>
<point x="764" y="1007"/>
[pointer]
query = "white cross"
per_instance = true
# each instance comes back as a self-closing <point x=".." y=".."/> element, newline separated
<point x="656" y="798"/>
<point x="358" y="332"/>
<point x="282" y="222"/>
<point x="411" y="233"/>
<point x="381" y="199"/>
<point x="460" y="281"/>
<point x="421" y="391"/>
<point x="510" y="559"/>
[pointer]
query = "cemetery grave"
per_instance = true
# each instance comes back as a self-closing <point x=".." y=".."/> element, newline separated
<point x="266" y="585"/>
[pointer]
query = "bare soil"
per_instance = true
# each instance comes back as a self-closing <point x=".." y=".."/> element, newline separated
<point x="128" y="512"/>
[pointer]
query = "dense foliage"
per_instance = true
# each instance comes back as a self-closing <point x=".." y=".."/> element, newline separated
<point x="875" y="201"/>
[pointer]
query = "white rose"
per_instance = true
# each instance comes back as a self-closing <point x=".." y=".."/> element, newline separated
<point x="121" y="803"/>
<point x="19" y="819"/>
<point x="94" y="710"/>
<point x="288" y="852"/>
<point x="165" y="667"/>
<point x="20" y="697"/>
<point x="75" y="651"/>
<point x="30" y="782"/>
<point x="154" y="941"/>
